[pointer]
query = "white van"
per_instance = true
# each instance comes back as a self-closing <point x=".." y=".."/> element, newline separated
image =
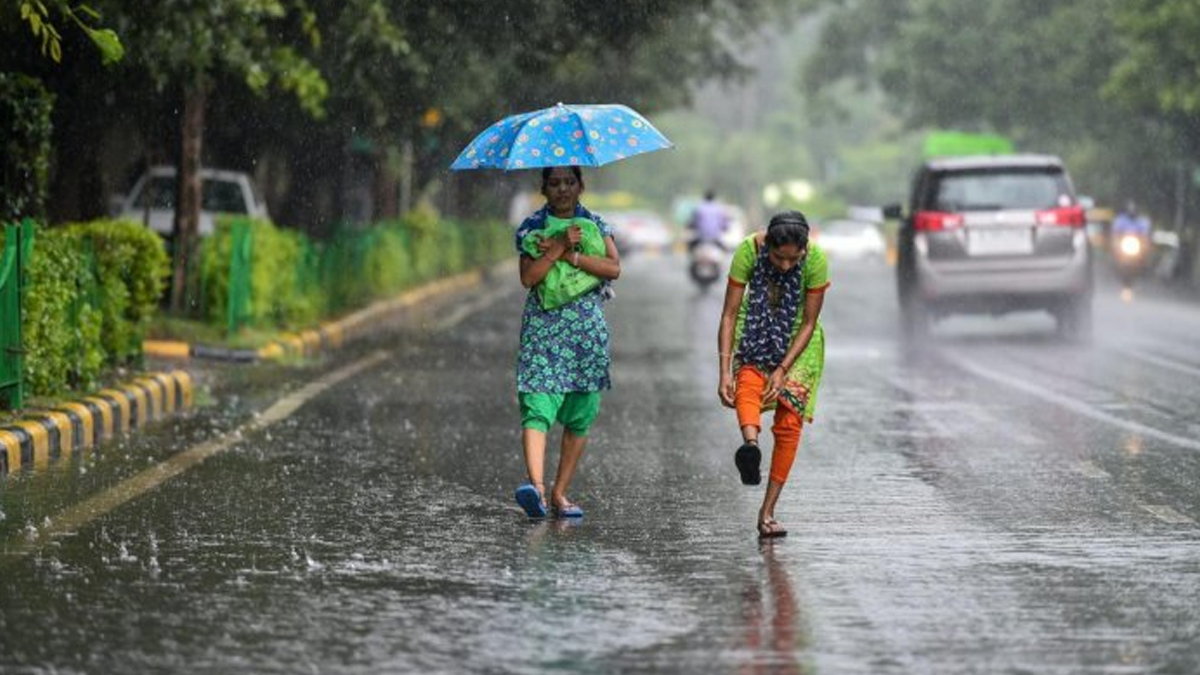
<point x="152" y="199"/>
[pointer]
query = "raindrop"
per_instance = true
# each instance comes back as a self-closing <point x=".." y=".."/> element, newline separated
<point x="124" y="555"/>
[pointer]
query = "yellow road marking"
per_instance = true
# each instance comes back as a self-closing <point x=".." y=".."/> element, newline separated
<point x="131" y="488"/>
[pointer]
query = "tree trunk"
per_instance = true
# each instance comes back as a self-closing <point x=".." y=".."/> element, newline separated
<point x="187" y="202"/>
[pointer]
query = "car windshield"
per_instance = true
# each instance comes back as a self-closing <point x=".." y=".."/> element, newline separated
<point x="984" y="191"/>
<point x="217" y="195"/>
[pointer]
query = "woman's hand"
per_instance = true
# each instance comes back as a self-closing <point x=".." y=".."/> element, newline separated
<point x="574" y="236"/>
<point x="774" y="385"/>
<point x="553" y="248"/>
<point x="726" y="390"/>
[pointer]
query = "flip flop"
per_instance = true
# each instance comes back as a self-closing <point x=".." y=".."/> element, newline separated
<point x="531" y="500"/>
<point x="771" y="529"/>
<point x="567" y="510"/>
<point x="748" y="458"/>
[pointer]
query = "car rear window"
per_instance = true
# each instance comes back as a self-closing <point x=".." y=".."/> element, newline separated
<point x="222" y="197"/>
<point x="993" y="190"/>
<point x="216" y="195"/>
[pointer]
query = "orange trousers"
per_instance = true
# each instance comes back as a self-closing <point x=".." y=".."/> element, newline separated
<point x="788" y="423"/>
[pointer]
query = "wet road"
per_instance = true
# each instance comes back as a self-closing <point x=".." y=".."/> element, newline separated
<point x="998" y="502"/>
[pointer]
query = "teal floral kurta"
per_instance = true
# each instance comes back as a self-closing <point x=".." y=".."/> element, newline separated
<point x="563" y="349"/>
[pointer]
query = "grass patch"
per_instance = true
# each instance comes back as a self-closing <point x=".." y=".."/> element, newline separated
<point x="197" y="332"/>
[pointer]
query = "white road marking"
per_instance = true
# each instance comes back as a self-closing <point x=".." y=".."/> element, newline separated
<point x="131" y="488"/>
<point x="1167" y="514"/>
<point x="1073" y="404"/>
<point x="461" y="312"/>
<point x="1162" y="362"/>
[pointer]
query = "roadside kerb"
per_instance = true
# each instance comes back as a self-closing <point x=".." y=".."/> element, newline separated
<point x="43" y="436"/>
<point x="326" y="336"/>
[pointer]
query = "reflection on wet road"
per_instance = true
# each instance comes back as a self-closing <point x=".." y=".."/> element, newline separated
<point x="995" y="501"/>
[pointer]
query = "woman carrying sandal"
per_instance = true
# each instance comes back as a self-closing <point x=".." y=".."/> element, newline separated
<point x="563" y="359"/>
<point x="772" y="348"/>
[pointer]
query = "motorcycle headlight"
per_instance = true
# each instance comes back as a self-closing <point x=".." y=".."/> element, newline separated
<point x="1131" y="246"/>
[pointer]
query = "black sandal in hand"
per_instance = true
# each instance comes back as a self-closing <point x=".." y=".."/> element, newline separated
<point x="748" y="458"/>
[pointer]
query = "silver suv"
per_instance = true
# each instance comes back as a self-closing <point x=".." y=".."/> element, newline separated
<point x="994" y="234"/>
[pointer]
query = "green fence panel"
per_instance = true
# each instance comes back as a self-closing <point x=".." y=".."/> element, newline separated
<point x="18" y="246"/>
<point x="238" y="301"/>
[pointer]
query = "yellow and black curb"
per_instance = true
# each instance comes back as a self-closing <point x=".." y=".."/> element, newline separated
<point x="327" y="336"/>
<point x="42" y="436"/>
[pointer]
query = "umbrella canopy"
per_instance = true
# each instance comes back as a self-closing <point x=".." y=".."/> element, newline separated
<point x="565" y="135"/>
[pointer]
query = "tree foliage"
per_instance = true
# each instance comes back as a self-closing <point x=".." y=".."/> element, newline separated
<point x="25" y="130"/>
<point x="1111" y="85"/>
<point x="41" y="25"/>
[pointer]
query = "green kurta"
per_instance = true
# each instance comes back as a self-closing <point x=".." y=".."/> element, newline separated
<point x="805" y="373"/>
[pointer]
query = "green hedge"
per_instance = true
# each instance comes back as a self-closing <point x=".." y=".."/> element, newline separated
<point x="295" y="281"/>
<point x="93" y="288"/>
<point x="132" y="268"/>
<point x="279" y="259"/>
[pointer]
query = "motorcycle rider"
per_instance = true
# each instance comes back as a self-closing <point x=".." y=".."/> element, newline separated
<point x="709" y="222"/>
<point x="1129" y="221"/>
<point x="1130" y="256"/>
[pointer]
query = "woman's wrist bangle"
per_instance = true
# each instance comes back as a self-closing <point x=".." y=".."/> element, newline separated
<point x="575" y="260"/>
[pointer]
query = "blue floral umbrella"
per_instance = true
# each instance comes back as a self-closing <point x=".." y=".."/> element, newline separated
<point x="565" y="135"/>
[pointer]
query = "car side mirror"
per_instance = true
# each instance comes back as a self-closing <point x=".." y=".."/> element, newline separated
<point x="893" y="212"/>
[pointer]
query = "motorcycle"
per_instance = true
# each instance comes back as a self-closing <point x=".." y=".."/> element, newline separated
<point x="1131" y="254"/>
<point x="707" y="259"/>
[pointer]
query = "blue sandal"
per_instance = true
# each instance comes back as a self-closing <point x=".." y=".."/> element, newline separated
<point x="568" y="510"/>
<point x="531" y="501"/>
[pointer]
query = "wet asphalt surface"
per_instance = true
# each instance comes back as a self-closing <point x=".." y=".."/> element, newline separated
<point x="996" y="501"/>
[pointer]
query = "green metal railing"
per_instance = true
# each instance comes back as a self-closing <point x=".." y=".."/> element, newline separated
<point x="241" y="252"/>
<point x="18" y="246"/>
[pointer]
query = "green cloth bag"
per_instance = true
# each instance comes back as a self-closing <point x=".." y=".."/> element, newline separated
<point x="564" y="282"/>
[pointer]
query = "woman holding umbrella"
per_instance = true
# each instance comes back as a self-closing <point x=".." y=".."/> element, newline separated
<point x="568" y="259"/>
<point x="563" y="358"/>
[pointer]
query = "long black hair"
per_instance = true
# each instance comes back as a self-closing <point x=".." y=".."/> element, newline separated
<point x="574" y="169"/>
<point x="787" y="227"/>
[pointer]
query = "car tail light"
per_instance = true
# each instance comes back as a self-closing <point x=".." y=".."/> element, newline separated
<point x="936" y="221"/>
<point x="1070" y="216"/>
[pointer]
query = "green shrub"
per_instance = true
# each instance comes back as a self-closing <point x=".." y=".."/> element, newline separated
<point x="279" y="264"/>
<point x="132" y="269"/>
<point x="93" y="288"/>
<point x="25" y="130"/>
<point x="46" y="330"/>
<point x="388" y="263"/>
